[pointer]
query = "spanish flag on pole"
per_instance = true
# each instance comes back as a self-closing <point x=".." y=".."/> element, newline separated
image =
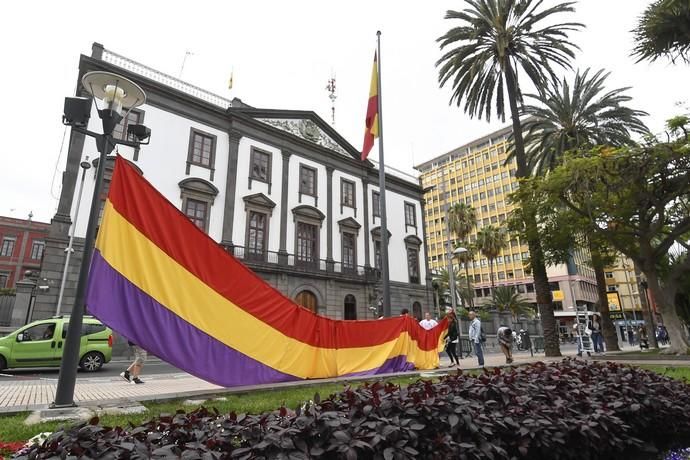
<point x="372" y="120"/>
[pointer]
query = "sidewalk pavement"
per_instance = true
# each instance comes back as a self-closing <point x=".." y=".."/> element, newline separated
<point x="24" y="395"/>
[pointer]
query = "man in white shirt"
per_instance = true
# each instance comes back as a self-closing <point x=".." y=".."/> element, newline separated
<point x="475" y="334"/>
<point x="428" y="323"/>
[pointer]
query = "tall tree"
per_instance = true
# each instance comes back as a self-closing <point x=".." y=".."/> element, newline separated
<point x="663" y="31"/>
<point x="463" y="219"/>
<point x="638" y="200"/>
<point x="580" y="115"/>
<point x="496" y="42"/>
<point x="490" y="242"/>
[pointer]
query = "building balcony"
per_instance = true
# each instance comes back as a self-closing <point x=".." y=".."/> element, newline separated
<point x="291" y="263"/>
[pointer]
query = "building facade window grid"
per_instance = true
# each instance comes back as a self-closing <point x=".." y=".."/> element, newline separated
<point x="202" y="150"/>
<point x="259" y="167"/>
<point x="257" y="234"/>
<point x="307" y="180"/>
<point x="410" y="215"/>
<point x="307" y="243"/>
<point x="347" y="193"/>
<point x="376" y="204"/>
<point x="7" y="248"/>
<point x="37" y="250"/>
<point x="120" y="130"/>
<point x="349" y="251"/>
<point x="197" y="212"/>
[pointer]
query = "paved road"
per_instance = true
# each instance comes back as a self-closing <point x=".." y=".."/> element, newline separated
<point x="111" y="369"/>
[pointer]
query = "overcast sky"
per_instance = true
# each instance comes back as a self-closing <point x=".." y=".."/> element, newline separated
<point x="282" y="54"/>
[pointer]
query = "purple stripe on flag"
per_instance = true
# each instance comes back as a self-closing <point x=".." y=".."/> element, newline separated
<point x="133" y="313"/>
<point x="396" y="364"/>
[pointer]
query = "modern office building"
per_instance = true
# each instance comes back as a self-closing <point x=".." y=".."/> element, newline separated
<point x="477" y="174"/>
<point x="280" y="190"/>
<point x="624" y="294"/>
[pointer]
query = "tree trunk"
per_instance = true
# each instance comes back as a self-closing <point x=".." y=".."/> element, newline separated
<point x="608" y="329"/>
<point x="541" y="280"/>
<point x="665" y="301"/>
<point x="491" y="274"/>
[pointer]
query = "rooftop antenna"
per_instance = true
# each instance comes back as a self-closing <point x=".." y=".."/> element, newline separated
<point x="331" y="95"/>
<point x="184" y="61"/>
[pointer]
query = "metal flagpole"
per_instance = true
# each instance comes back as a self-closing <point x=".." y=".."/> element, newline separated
<point x="382" y="192"/>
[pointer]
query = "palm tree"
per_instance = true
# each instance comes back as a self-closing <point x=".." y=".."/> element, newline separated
<point x="463" y="289"/>
<point x="496" y="42"/>
<point x="663" y="31"/>
<point x="490" y="242"/>
<point x="505" y="298"/>
<point x="578" y="116"/>
<point x="463" y="218"/>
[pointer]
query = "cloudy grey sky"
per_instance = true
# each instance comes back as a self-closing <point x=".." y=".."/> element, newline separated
<point x="282" y="54"/>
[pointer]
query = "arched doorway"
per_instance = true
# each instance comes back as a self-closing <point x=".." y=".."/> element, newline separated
<point x="417" y="311"/>
<point x="308" y="300"/>
<point x="350" y="305"/>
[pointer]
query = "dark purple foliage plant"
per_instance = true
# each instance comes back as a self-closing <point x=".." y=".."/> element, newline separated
<point x="565" y="410"/>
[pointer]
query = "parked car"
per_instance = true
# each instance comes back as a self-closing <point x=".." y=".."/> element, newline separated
<point x="40" y="344"/>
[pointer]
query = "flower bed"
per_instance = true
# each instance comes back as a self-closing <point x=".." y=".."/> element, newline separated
<point x="564" y="410"/>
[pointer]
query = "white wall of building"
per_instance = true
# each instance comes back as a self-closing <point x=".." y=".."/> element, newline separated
<point x="163" y="163"/>
<point x="242" y="190"/>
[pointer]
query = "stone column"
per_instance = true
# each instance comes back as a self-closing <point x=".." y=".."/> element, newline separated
<point x="329" y="217"/>
<point x="282" y="251"/>
<point x="230" y="189"/>
<point x="22" y="302"/>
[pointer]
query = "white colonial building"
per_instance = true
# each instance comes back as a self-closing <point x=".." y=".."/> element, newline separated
<point x="281" y="190"/>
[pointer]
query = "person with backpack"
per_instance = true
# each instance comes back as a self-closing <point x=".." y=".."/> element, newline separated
<point x="477" y="337"/>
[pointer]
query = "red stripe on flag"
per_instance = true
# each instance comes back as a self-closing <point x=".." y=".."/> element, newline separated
<point x="169" y="229"/>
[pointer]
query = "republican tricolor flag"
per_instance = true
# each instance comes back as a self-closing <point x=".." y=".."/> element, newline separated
<point x="372" y="120"/>
<point x="161" y="282"/>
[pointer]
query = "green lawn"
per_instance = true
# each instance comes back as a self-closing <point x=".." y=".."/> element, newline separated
<point x="12" y="427"/>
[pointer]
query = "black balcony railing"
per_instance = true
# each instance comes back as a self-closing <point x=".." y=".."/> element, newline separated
<point x="293" y="263"/>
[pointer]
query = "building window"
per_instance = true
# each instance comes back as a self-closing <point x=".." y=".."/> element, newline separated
<point x="376" y="204"/>
<point x="350" y="307"/>
<point x="202" y="150"/>
<point x="197" y="211"/>
<point x="377" y="254"/>
<point x="7" y="248"/>
<point x="413" y="265"/>
<point x="260" y="167"/>
<point x="307" y="240"/>
<point x="4" y="278"/>
<point x="197" y="196"/>
<point x="307" y="180"/>
<point x="347" y="193"/>
<point x="349" y="251"/>
<point x="609" y="275"/>
<point x="134" y="117"/>
<point x="417" y="311"/>
<point x="308" y="300"/>
<point x="256" y="235"/>
<point x="410" y="215"/>
<point x="37" y="249"/>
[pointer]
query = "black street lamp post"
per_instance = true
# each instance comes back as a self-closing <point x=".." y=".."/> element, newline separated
<point x="116" y="93"/>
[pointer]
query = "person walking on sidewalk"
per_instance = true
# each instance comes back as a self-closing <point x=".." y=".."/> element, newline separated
<point x="452" y="341"/>
<point x="597" y="338"/>
<point x="131" y="374"/>
<point x="505" y="341"/>
<point x="475" y="334"/>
